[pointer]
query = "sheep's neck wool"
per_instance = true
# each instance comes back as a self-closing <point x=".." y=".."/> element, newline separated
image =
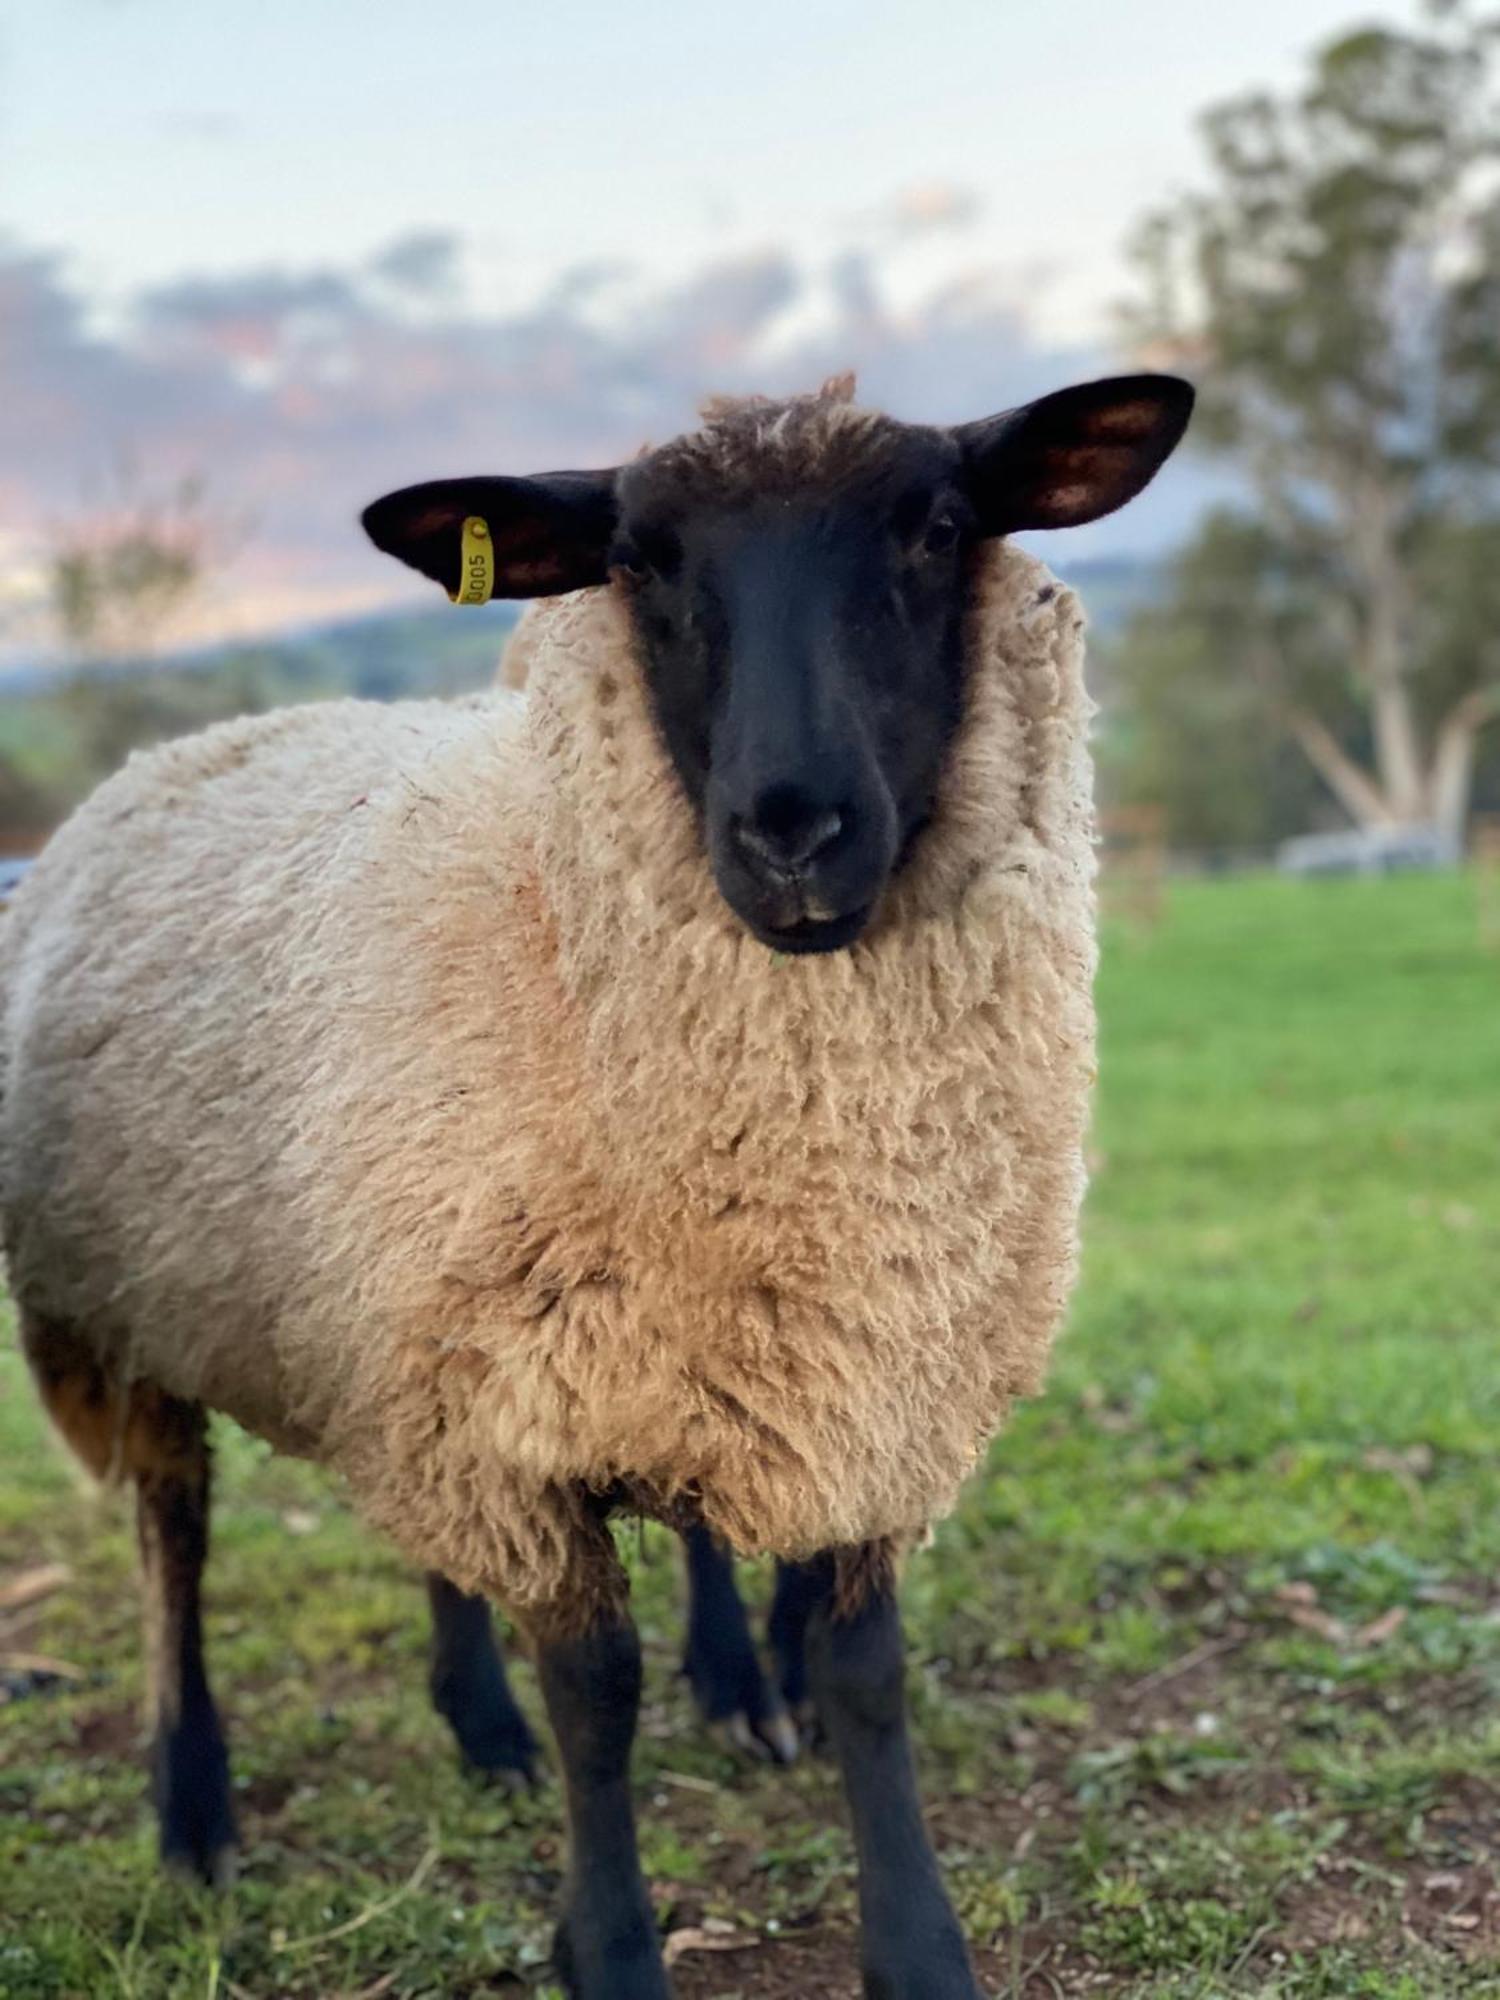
<point x="775" y="1240"/>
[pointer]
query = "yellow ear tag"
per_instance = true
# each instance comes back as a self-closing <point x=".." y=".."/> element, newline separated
<point x="476" y="563"/>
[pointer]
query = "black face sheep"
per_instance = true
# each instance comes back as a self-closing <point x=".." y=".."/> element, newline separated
<point x="666" y="1093"/>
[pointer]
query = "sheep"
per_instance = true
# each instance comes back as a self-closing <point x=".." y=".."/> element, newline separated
<point x="664" y="1094"/>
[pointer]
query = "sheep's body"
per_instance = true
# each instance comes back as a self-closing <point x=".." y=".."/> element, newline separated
<point x="396" y="1081"/>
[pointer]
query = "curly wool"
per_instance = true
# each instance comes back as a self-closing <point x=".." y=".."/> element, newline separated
<point x="397" y="1081"/>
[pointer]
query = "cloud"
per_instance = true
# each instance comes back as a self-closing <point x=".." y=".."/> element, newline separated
<point x="297" y="395"/>
<point x="929" y="208"/>
<point x="424" y="262"/>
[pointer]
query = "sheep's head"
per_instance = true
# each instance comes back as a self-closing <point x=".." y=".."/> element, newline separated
<point x="796" y="576"/>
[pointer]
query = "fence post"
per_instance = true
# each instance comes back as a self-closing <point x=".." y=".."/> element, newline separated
<point x="1484" y="860"/>
<point x="1133" y="864"/>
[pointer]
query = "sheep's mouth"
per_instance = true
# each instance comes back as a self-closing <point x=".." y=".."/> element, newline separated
<point x="814" y="934"/>
<point x="801" y="910"/>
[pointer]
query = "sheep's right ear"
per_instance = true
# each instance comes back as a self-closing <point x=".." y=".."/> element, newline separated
<point x="550" y="533"/>
<point x="1074" y="455"/>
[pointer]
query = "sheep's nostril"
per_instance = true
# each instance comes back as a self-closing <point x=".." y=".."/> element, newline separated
<point x="783" y="840"/>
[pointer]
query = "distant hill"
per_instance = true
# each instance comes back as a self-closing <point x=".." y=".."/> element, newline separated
<point x="402" y="654"/>
<point x="63" y="729"/>
<point x="379" y="656"/>
<point x="1113" y="589"/>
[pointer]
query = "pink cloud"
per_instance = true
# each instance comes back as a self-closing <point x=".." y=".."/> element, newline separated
<point x="297" y="396"/>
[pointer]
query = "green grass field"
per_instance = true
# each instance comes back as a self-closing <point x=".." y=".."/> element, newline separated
<point x="1207" y="1667"/>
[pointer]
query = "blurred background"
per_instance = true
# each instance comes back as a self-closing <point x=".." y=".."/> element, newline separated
<point x="1207" y="1664"/>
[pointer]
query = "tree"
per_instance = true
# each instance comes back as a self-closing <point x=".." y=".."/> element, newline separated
<point x="119" y="580"/>
<point x="122" y="580"/>
<point x="1336" y="286"/>
<point x="1187" y="723"/>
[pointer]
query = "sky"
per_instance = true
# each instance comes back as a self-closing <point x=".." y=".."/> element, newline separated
<point x="311" y="249"/>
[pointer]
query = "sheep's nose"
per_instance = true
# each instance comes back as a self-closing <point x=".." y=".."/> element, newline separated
<point x="787" y="828"/>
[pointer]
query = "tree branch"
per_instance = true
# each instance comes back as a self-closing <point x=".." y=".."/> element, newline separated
<point x="1356" y="792"/>
<point x="1472" y="710"/>
<point x="1452" y="775"/>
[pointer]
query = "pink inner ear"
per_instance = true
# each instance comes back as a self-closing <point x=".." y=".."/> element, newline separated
<point x="1069" y="499"/>
<point x="1124" y="422"/>
<point x="437" y="521"/>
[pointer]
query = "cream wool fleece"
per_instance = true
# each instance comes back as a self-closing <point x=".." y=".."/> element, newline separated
<point x="396" y="1080"/>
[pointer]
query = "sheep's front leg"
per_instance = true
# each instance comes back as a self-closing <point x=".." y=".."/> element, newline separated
<point x="589" y="1663"/>
<point x="912" y="1946"/>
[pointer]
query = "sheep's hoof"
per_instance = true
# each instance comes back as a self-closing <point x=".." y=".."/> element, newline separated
<point x="738" y="1704"/>
<point x="926" y="1983"/>
<point x="622" y="1970"/>
<point x="495" y="1743"/>
<point x="518" y="1779"/>
<point x="503" y="1755"/>
<point x="923" y="1985"/>
<point x="772" y="1738"/>
<point x="197" y="1837"/>
<point x="931" y="1963"/>
<point x="810" y="1732"/>
<point x="210" y="1867"/>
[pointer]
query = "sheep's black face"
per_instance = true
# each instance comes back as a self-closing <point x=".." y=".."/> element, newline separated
<point x="802" y="643"/>
<point x="796" y="573"/>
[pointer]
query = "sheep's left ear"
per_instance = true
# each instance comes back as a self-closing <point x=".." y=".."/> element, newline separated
<point x="1074" y="455"/>
<point x="549" y="534"/>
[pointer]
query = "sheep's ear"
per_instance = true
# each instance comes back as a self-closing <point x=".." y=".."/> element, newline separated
<point x="550" y="534"/>
<point x="1074" y="455"/>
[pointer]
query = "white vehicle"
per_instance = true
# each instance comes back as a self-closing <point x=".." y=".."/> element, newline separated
<point x="1376" y="850"/>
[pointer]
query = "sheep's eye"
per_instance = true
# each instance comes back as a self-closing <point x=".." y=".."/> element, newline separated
<point x="941" y="536"/>
<point x="641" y="556"/>
<point x="630" y="561"/>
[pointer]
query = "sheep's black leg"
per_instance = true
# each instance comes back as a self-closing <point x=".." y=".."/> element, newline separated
<point x="796" y="1594"/>
<point x="912" y="1946"/>
<point x="135" y="1431"/>
<point x="720" y="1659"/>
<point x="470" y="1691"/>
<point x="589" y="1663"/>
<point x="168" y="1453"/>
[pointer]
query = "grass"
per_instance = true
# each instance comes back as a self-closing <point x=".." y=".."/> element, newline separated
<point x="1206" y="1668"/>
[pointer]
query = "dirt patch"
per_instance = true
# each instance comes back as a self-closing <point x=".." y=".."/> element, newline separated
<point x="823" y="1961"/>
<point x="113" y="1733"/>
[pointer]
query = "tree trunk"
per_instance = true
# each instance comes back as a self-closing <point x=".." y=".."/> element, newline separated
<point x="1451" y="778"/>
<point x="1396" y="755"/>
<point x="1381" y="649"/>
<point x="1354" y="789"/>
